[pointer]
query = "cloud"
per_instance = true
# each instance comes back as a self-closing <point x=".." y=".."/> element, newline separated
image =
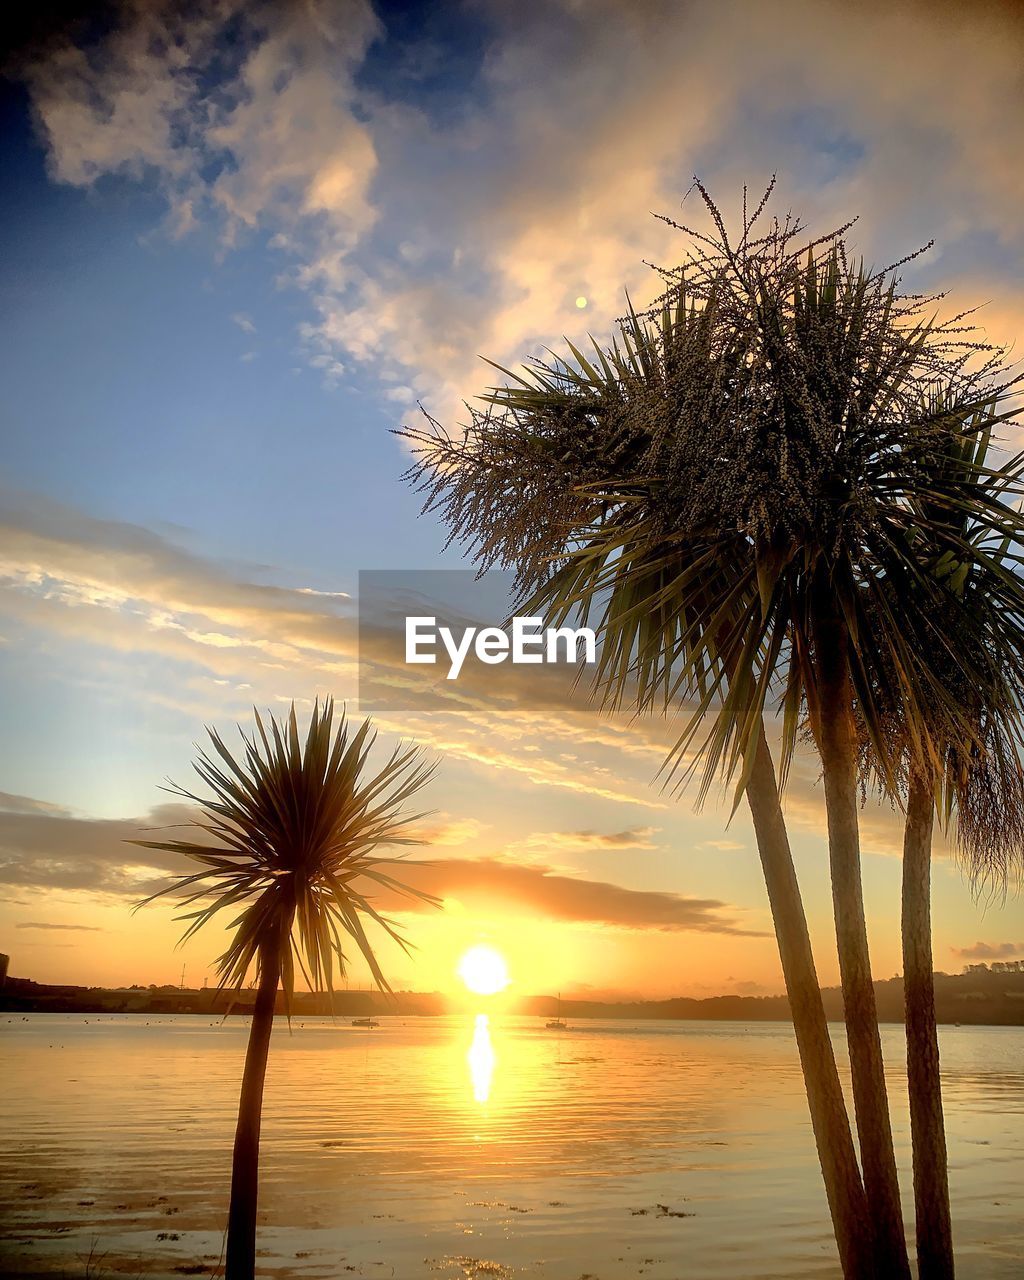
<point x="274" y="132"/>
<point x="26" y="804"/>
<point x="76" y="928"/>
<point x="423" y="237"/>
<point x="448" y="831"/>
<point x="118" y="592"/>
<point x="44" y="851"/>
<point x="630" y="838"/>
<point x="989" y="950"/>
<point x="515" y="762"/>
<point x="244" y="322"/>
<point x="127" y="593"/>
<point x="510" y="886"/>
<point x="546" y="843"/>
<point x="124" y="587"/>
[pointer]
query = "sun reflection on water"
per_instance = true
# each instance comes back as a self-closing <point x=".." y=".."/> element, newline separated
<point x="481" y="1059"/>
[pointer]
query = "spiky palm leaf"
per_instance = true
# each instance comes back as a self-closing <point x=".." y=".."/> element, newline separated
<point x="292" y="832"/>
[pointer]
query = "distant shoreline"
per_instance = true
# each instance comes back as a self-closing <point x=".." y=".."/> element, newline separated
<point x="980" y="997"/>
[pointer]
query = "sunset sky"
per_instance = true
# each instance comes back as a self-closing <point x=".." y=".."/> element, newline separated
<point x="238" y="247"/>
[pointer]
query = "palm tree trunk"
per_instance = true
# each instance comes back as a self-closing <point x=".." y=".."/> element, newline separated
<point x="245" y="1162"/>
<point x="931" y="1184"/>
<point x="836" y="734"/>
<point x="829" y="1120"/>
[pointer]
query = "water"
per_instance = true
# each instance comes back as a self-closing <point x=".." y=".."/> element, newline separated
<point x="466" y="1147"/>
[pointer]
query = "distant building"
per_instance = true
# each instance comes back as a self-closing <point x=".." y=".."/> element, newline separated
<point x="4" y="962"/>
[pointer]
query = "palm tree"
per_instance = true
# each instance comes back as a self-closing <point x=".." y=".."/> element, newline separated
<point x="754" y="442"/>
<point x="288" y="834"/>
<point x="978" y="780"/>
<point x="528" y="497"/>
<point x="528" y="494"/>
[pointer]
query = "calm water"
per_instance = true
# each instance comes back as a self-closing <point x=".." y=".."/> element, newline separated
<point x="457" y="1147"/>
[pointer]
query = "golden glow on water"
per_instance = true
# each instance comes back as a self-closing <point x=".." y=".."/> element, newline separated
<point x="484" y="971"/>
<point x="481" y="1058"/>
<point x="480" y="1137"/>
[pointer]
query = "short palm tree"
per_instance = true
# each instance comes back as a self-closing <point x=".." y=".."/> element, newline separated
<point x="974" y="781"/>
<point x="730" y="484"/>
<point x="290" y="833"/>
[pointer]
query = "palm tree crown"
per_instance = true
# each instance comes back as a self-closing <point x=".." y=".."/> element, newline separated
<point x="978" y="779"/>
<point x="290" y="831"/>
<point x="743" y="460"/>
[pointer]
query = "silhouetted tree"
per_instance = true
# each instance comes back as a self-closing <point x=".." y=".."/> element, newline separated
<point x="291" y="830"/>
<point x="968" y="770"/>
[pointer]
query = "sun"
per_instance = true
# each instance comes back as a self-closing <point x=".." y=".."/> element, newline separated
<point x="483" y="971"/>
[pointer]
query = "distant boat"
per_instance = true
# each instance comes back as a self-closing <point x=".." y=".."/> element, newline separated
<point x="365" y="1022"/>
<point x="557" y="1023"/>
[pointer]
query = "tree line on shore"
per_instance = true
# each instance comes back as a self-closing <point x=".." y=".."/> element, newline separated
<point x="981" y="996"/>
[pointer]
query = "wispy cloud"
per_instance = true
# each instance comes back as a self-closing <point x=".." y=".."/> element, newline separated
<point x="71" y="928"/>
<point x="447" y="831"/>
<point x="26" y="804"/>
<point x="547" y="844"/>
<point x="121" y="589"/>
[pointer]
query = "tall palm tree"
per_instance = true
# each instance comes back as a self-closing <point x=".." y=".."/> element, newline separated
<point x="766" y="433"/>
<point x="290" y="832"/>
<point x="649" y="607"/>
<point x="528" y="489"/>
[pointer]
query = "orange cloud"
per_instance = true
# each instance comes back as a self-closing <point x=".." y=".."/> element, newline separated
<point x="531" y="889"/>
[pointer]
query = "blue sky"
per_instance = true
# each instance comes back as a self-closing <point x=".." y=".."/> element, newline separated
<point x="169" y="383"/>
<point x="239" y="245"/>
